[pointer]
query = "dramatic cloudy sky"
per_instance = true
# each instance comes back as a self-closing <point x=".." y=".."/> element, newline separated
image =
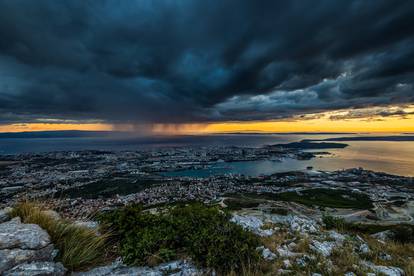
<point x="137" y="61"/>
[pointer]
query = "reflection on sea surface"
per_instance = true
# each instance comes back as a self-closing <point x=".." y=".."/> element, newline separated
<point x="390" y="157"/>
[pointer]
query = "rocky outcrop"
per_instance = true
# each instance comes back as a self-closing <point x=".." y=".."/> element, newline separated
<point x="37" y="269"/>
<point x="384" y="270"/>
<point x="5" y="214"/>
<point x="383" y="236"/>
<point x="253" y="224"/>
<point x="14" y="234"/>
<point x="266" y="253"/>
<point x="176" y="268"/>
<point x="12" y="257"/>
<point x="296" y="224"/>
<point x="22" y="244"/>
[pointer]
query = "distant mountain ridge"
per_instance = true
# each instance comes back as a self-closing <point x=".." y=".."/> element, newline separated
<point x="55" y="134"/>
<point x="371" y="138"/>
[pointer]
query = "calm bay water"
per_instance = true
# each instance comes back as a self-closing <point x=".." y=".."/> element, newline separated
<point x="390" y="157"/>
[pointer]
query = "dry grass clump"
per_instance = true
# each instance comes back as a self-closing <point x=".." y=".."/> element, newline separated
<point x="345" y="260"/>
<point x="260" y="269"/>
<point x="402" y="254"/>
<point x="409" y="268"/>
<point x="268" y="225"/>
<point x="276" y="240"/>
<point x="303" y="245"/>
<point x="79" y="247"/>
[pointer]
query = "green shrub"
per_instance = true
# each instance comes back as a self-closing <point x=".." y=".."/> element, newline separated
<point x="202" y="233"/>
<point x="332" y="222"/>
<point x="235" y="204"/>
<point x="403" y="233"/>
<point x="279" y="211"/>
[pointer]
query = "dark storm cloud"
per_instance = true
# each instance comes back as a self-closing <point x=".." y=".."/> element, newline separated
<point x="371" y="113"/>
<point x="199" y="61"/>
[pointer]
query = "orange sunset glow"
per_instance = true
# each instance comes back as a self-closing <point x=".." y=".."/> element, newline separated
<point x="324" y="122"/>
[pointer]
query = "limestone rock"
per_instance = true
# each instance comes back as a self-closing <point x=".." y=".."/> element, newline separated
<point x="384" y="256"/>
<point x="388" y="270"/>
<point x="14" y="234"/>
<point x="20" y="243"/>
<point x="337" y="237"/>
<point x="176" y="268"/>
<point x="385" y="270"/>
<point x="284" y="252"/>
<point x="383" y="236"/>
<point x="268" y="255"/>
<point x="303" y="225"/>
<point x="253" y="224"/>
<point x="4" y="214"/>
<point x="324" y="248"/>
<point x="37" y="269"/>
<point x="87" y="224"/>
<point x="12" y="257"/>
<point x="286" y="264"/>
<point x="364" y="248"/>
<point x="304" y="260"/>
<point x="297" y="224"/>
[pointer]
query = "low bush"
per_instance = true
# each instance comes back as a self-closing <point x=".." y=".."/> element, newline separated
<point x="202" y="233"/>
<point x="402" y="233"/>
<point x="332" y="222"/>
<point x="79" y="247"/>
<point x="235" y="204"/>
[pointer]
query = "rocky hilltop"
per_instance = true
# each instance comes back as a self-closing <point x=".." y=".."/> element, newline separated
<point x="289" y="245"/>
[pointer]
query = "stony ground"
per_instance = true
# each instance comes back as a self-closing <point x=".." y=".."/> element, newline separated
<point x="292" y="245"/>
<point x="296" y="245"/>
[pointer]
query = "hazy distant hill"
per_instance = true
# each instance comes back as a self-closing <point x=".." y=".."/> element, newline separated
<point x="372" y="138"/>
<point x="55" y="134"/>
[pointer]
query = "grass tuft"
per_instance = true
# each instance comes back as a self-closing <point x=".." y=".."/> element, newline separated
<point x="79" y="247"/>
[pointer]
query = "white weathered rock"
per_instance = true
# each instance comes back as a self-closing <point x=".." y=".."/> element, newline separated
<point x="177" y="268"/>
<point x="303" y="225"/>
<point x="12" y="257"/>
<point x="284" y="252"/>
<point x="385" y="257"/>
<point x="87" y="224"/>
<point x="304" y="260"/>
<point x="337" y="237"/>
<point x="266" y="232"/>
<point x="291" y="246"/>
<point x="37" y="269"/>
<point x="21" y="243"/>
<point x="253" y="224"/>
<point x="316" y="274"/>
<point x="5" y="214"/>
<point x="389" y="270"/>
<point x="364" y="248"/>
<point x="324" y="248"/>
<point x="284" y="271"/>
<point x="385" y="270"/>
<point x="350" y="274"/>
<point x="286" y="264"/>
<point x="14" y="234"/>
<point x="297" y="224"/>
<point x="301" y="262"/>
<point x="268" y="255"/>
<point x="383" y="236"/>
